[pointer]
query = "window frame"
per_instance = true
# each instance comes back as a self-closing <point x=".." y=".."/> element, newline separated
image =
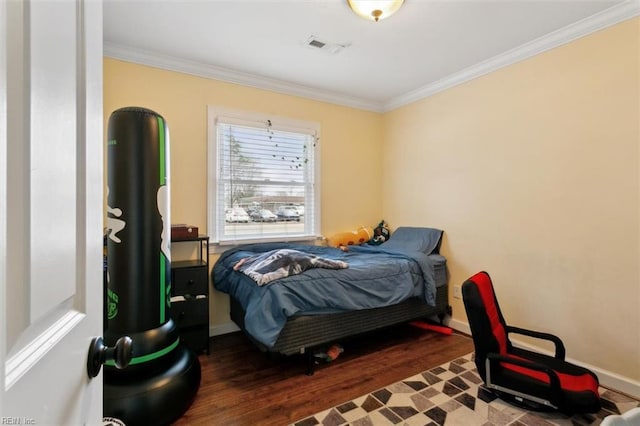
<point x="216" y="114"/>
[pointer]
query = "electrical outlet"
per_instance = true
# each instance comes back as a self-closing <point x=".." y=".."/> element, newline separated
<point x="457" y="294"/>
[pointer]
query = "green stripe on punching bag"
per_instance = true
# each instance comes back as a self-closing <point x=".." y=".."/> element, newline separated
<point x="165" y="256"/>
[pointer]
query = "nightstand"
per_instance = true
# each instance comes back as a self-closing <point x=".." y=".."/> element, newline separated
<point x="190" y="295"/>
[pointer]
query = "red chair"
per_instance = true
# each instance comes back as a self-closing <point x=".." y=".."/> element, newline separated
<point x="520" y="376"/>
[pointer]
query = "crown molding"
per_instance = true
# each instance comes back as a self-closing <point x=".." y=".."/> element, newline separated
<point x="604" y="19"/>
<point x="198" y="69"/>
<point x="599" y="21"/>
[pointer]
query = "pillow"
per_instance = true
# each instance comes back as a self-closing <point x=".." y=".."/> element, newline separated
<point x="407" y="238"/>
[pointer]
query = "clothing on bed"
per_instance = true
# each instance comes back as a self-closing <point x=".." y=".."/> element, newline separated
<point x="280" y="263"/>
<point x="377" y="276"/>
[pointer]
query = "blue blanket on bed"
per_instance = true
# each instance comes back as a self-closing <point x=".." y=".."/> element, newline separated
<point x="376" y="276"/>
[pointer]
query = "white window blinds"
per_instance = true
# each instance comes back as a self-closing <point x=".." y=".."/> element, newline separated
<point x="264" y="179"/>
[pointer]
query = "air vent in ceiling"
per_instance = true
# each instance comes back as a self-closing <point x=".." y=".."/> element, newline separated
<point x="316" y="43"/>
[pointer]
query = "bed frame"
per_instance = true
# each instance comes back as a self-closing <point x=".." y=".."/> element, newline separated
<point x="302" y="333"/>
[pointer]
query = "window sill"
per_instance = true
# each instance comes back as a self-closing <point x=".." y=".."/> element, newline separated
<point x="221" y="247"/>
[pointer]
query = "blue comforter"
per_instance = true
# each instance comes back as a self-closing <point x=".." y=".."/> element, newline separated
<point x="376" y="276"/>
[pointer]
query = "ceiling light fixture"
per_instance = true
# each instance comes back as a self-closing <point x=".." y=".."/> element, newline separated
<point x="374" y="10"/>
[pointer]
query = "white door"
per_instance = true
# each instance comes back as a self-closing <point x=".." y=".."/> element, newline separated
<point x="50" y="210"/>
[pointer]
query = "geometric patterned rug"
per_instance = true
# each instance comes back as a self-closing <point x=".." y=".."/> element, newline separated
<point x="449" y="395"/>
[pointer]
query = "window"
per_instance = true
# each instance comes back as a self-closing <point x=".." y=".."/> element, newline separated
<point x="263" y="178"/>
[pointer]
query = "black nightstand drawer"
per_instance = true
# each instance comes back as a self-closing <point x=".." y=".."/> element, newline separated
<point x="190" y="281"/>
<point x="190" y="312"/>
<point x="190" y="294"/>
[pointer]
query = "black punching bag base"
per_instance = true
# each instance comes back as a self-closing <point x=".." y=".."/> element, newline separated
<point x="154" y="396"/>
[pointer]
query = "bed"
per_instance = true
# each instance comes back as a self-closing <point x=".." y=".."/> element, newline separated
<point x="308" y="306"/>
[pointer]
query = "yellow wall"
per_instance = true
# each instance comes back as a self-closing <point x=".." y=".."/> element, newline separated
<point x="350" y="144"/>
<point x="533" y="173"/>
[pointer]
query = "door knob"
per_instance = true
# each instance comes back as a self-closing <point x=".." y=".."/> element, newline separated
<point x="99" y="353"/>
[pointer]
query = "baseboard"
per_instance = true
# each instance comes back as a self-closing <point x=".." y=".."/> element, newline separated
<point x="460" y="326"/>
<point x="219" y="329"/>
<point x="607" y="378"/>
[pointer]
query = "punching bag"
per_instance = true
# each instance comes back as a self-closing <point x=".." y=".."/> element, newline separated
<point x="163" y="377"/>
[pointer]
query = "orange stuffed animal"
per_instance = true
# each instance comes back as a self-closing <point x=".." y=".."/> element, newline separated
<point x="343" y="239"/>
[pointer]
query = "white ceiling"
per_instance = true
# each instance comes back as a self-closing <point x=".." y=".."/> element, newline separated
<point x="427" y="45"/>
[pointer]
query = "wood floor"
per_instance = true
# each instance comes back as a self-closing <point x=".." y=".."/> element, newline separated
<point x="242" y="386"/>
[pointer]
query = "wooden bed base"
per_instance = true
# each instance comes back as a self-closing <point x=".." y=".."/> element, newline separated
<point x="303" y="333"/>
